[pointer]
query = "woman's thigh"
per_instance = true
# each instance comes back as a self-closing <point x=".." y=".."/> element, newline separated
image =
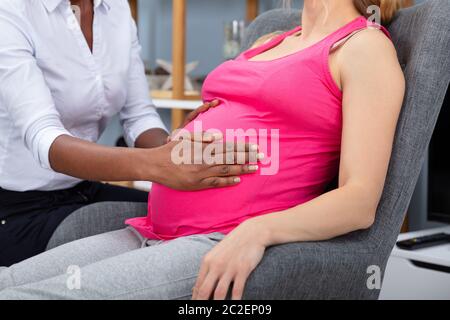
<point x="76" y="254"/>
<point x="95" y="219"/>
<point x="164" y="271"/>
<point x="107" y="207"/>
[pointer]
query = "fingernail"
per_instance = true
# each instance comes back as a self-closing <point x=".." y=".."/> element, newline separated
<point x="207" y="137"/>
<point x="260" y="156"/>
<point x="217" y="136"/>
<point x="237" y="180"/>
<point x="254" y="147"/>
<point x="253" y="168"/>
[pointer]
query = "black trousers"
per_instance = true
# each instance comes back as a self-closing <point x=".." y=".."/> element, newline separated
<point x="29" y="219"/>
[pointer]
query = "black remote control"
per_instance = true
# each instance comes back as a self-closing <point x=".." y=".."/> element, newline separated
<point x="424" y="242"/>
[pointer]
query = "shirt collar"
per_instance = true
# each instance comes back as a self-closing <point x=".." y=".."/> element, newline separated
<point x="51" y="5"/>
<point x="105" y="3"/>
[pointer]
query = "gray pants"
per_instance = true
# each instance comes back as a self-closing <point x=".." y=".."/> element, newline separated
<point x="95" y="219"/>
<point x="115" y="265"/>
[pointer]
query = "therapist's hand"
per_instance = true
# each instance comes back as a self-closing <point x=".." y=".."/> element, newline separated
<point x="194" y="114"/>
<point x="217" y="164"/>
<point x="231" y="162"/>
<point x="90" y="161"/>
<point x="230" y="263"/>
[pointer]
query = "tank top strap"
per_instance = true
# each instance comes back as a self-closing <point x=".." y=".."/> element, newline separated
<point x="276" y="40"/>
<point x="338" y="37"/>
<point x="359" y="24"/>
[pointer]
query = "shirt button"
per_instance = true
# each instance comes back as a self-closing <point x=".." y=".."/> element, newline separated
<point x="72" y="23"/>
<point x="3" y="222"/>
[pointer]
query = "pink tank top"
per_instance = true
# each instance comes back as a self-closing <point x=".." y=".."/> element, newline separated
<point x="293" y="107"/>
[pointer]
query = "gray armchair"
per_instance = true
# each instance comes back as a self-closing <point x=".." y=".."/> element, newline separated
<point x="337" y="269"/>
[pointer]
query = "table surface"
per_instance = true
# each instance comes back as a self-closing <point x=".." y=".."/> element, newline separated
<point x="143" y="185"/>
<point x="177" y="104"/>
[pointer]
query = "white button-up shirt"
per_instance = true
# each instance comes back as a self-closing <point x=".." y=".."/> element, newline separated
<point x="51" y="84"/>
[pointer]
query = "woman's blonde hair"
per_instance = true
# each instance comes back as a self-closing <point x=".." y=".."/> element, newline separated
<point x="388" y="8"/>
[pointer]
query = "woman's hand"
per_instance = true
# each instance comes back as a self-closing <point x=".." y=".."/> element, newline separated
<point x="230" y="263"/>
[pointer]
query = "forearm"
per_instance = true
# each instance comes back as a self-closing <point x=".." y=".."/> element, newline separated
<point x="90" y="161"/>
<point x="152" y="138"/>
<point x="333" y="214"/>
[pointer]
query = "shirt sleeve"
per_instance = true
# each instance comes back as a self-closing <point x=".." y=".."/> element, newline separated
<point x="139" y="113"/>
<point x="24" y="93"/>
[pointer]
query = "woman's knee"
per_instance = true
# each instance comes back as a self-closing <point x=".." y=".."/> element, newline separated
<point x="6" y="279"/>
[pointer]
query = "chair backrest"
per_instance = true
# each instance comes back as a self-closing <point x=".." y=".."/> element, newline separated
<point x="268" y="22"/>
<point x="421" y="35"/>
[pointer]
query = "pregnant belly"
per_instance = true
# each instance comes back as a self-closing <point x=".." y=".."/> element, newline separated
<point x="181" y="213"/>
<point x="175" y="213"/>
<point x="288" y="177"/>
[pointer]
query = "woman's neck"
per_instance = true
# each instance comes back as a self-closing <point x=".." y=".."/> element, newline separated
<point x="321" y="17"/>
<point x="86" y="8"/>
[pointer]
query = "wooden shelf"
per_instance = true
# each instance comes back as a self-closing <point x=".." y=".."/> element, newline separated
<point x="134" y="8"/>
<point x="252" y="9"/>
<point x="179" y="52"/>
<point x="188" y="95"/>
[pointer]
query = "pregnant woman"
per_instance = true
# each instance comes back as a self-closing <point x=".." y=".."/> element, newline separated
<point x="327" y="96"/>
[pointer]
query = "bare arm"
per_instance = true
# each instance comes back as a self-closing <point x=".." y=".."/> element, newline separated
<point x="373" y="86"/>
<point x="87" y="160"/>
<point x="152" y="138"/>
<point x="91" y="161"/>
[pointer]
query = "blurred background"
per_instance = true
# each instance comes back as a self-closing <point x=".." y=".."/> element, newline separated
<point x="205" y="36"/>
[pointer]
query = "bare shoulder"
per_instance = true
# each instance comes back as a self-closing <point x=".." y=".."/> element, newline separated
<point x="373" y="37"/>
<point x="370" y="46"/>
<point x="371" y="56"/>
